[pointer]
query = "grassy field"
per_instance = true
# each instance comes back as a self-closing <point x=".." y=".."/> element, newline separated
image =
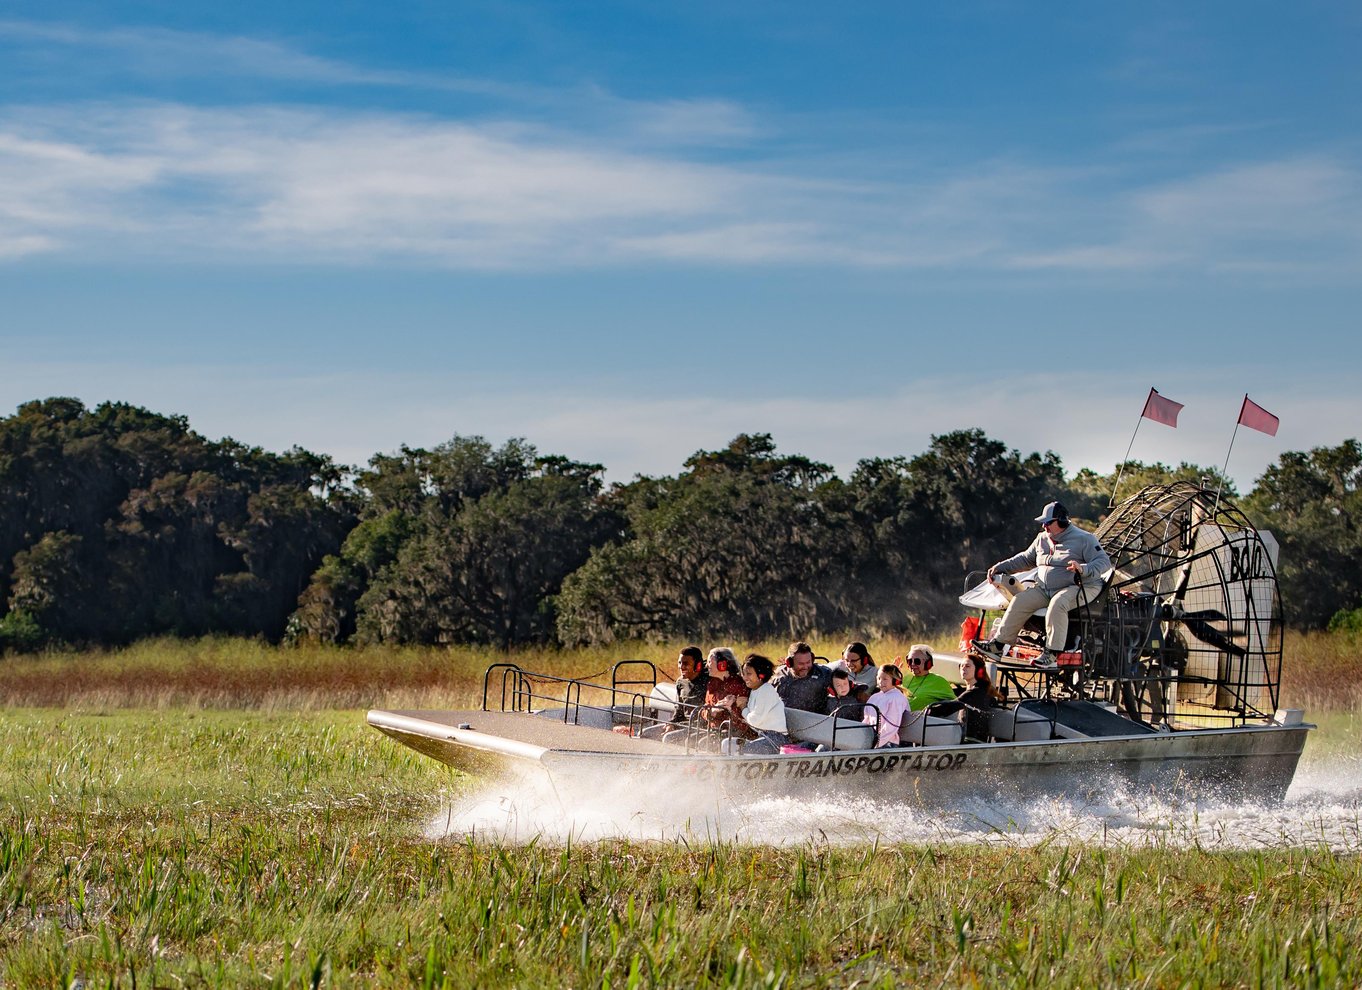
<point x="201" y="815"/>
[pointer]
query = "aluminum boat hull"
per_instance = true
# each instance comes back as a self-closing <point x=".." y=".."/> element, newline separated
<point x="1251" y="763"/>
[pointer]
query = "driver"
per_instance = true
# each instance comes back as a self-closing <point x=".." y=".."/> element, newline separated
<point x="1071" y="563"/>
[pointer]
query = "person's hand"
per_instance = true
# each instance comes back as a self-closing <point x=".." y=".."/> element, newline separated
<point x="1074" y="566"/>
<point x="992" y="573"/>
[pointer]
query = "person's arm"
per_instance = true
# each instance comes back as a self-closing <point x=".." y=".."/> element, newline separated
<point x="1098" y="563"/>
<point x="1090" y="561"/>
<point x="761" y="708"/>
<point x="1018" y="562"/>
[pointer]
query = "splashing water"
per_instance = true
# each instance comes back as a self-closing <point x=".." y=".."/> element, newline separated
<point x="1322" y="810"/>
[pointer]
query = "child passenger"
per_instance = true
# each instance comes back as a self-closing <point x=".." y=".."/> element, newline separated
<point x="842" y="699"/>
<point x="891" y="703"/>
<point x="765" y="712"/>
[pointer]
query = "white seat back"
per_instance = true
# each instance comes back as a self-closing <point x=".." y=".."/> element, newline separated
<point x="810" y="727"/>
<point x="1018" y="725"/>
<point x="922" y="729"/>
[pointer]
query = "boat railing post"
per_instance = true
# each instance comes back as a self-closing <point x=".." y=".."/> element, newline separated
<point x="572" y="702"/>
<point x="616" y="683"/>
<point x="507" y="670"/>
<point x="692" y="731"/>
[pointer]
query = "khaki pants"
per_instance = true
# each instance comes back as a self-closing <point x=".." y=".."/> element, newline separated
<point x="1057" y="608"/>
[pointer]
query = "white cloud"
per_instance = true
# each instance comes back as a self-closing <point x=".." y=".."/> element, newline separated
<point x="168" y="53"/>
<point x="311" y="185"/>
<point x="1297" y="213"/>
<point x="614" y="181"/>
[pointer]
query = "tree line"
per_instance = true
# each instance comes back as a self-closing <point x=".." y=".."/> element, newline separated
<point x="118" y="523"/>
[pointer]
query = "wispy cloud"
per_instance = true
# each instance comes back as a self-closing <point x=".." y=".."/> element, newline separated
<point x="612" y="181"/>
<point x="1300" y="214"/>
<point x="168" y="53"/>
<point x="321" y="185"/>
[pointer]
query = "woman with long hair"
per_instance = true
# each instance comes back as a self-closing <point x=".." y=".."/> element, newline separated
<point x="976" y="697"/>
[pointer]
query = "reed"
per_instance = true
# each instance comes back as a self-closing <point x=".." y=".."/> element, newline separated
<point x="259" y="849"/>
<point x="1321" y="672"/>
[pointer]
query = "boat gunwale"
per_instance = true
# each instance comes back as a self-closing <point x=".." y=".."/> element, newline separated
<point x="534" y="753"/>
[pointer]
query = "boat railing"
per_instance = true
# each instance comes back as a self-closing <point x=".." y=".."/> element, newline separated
<point x="616" y="681"/>
<point x="523" y="691"/>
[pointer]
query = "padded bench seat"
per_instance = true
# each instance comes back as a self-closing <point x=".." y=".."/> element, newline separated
<point x="1018" y="724"/>
<point x="817" y="730"/>
<point x="921" y="729"/>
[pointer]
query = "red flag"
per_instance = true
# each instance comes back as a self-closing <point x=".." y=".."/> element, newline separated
<point x="1161" y="410"/>
<point x="1255" y="417"/>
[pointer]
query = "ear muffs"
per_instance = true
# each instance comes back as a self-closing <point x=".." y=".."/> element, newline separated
<point x="722" y="665"/>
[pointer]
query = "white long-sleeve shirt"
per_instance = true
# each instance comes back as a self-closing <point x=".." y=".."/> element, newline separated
<point x="765" y="710"/>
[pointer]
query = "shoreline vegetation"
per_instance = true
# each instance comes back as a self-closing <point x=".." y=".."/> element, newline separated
<point x="215" y="813"/>
<point x="1321" y="671"/>
<point x="118" y="524"/>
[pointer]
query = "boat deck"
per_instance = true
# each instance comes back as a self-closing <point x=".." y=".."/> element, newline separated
<point x="535" y="730"/>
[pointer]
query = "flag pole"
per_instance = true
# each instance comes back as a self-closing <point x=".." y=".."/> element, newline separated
<point x="1122" y="469"/>
<point x="1221" y="484"/>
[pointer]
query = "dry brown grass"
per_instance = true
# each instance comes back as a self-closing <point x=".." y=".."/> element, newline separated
<point x="1321" y="672"/>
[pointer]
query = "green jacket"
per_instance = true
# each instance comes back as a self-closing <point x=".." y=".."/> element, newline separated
<point x="925" y="689"/>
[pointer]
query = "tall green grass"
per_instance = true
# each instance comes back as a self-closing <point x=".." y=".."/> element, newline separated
<point x="271" y="849"/>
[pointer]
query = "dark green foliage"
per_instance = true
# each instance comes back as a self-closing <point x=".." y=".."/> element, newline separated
<point x="755" y="544"/>
<point x="1092" y="492"/>
<point x="1312" y="502"/>
<point x="735" y="545"/>
<point x="1342" y="621"/>
<point x="463" y="543"/>
<point x="117" y="523"/>
<point x="922" y="524"/>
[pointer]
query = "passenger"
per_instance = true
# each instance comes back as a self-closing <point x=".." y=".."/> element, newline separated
<point x="725" y="682"/>
<point x="857" y="662"/>
<point x="764" y="712"/>
<point x="692" y="683"/>
<point x="924" y="687"/>
<point x="1071" y="564"/>
<point x="891" y="705"/>
<point x="801" y="683"/>
<point x="842" y="700"/>
<point x="976" y="697"/>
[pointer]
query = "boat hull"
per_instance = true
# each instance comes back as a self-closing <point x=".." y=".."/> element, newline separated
<point x="1254" y="763"/>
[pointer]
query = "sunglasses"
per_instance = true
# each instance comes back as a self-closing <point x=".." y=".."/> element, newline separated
<point x="915" y="663"/>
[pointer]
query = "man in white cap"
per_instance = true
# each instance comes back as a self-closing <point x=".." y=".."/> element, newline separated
<point x="1070" y="563"/>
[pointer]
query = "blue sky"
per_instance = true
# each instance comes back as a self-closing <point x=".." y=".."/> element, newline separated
<point x="627" y="231"/>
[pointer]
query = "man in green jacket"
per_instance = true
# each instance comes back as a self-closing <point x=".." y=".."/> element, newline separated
<point x="923" y="687"/>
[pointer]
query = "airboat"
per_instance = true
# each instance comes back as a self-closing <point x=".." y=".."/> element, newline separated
<point x="1168" y="686"/>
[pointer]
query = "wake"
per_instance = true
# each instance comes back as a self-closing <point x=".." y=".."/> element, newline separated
<point x="1323" y="810"/>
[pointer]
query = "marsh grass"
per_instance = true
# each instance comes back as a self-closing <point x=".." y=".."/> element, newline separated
<point x="200" y="814"/>
<point x="1321" y="672"/>
<point x="218" y="673"/>
<point x="258" y="849"/>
